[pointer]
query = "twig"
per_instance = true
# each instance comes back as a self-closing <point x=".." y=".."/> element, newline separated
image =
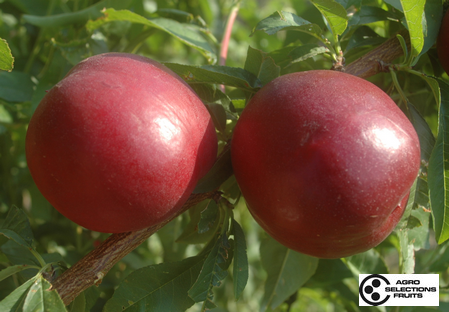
<point x="91" y="269"/>
<point x="370" y="64"/>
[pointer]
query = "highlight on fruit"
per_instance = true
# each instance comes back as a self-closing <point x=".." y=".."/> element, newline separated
<point x="119" y="144"/>
<point x="325" y="161"/>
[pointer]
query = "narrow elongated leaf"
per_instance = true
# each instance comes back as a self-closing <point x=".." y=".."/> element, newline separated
<point x="17" y="227"/>
<point x="334" y="13"/>
<point x="370" y="14"/>
<point x="212" y="272"/>
<point x="217" y="175"/>
<point x="187" y="33"/>
<point x="261" y="65"/>
<point x="414" y="12"/>
<point x="431" y="24"/>
<point x="305" y="52"/>
<point x="208" y="217"/>
<point x="225" y="75"/>
<point x="407" y="263"/>
<point x="6" y="58"/>
<point x="287" y="271"/>
<point x="240" y="271"/>
<point x="281" y="20"/>
<point x="438" y="173"/>
<point x="79" y="17"/>
<point x="40" y="298"/>
<point x="162" y="287"/>
<point x="14" y="301"/>
<point x="13" y="269"/>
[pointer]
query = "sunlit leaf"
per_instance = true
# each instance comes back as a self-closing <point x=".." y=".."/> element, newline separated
<point x="334" y="13"/>
<point x="414" y="12"/>
<point x="6" y="58"/>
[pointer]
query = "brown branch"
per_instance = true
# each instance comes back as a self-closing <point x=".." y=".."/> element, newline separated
<point x="370" y="64"/>
<point x="93" y="267"/>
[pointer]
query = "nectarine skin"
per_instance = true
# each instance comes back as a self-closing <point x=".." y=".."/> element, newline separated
<point x="325" y="161"/>
<point x="120" y="143"/>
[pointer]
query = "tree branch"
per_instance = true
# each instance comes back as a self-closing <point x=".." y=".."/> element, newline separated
<point x="93" y="267"/>
<point x="369" y="64"/>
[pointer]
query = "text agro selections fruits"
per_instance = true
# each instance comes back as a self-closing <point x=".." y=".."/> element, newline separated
<point x="443" y="43"/>
<point x="325" y="161"/>
<point x="119" y="144"/>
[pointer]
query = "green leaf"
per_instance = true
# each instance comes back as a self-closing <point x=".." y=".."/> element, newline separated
<point x="218" y="114"/>
<point x="16" y="86"/>
<point x="407" y="253"/>
<point x="305" y="52"/>
<point x="208" y="218"/>
<point x="15" y="300"/>
<point x="212" y="272"/>
<point x="240" y="270"/>
<point x="261" y="65"/>
<point x="363" y="36"/>
<point x="161" y="287"/>
<point x="433" y="14"/>
<point x="217" y="175"/>
<point x="371" y="14"/>
<point x="79" y="304"/>
<point x="287" y="271"/>
<point x="281" y="20"/>
<point x="438" y="172"/>
<point x="348" y="3"/>
<point x="368" y="262"/>
<point x="223" y="75"/>
<point x="6" y="58"/>
<point x="13" y="269"/>
<point x="187" y="33"/>
<point x="330" y="271"/>
<point x="414" y="12"/>
<point x="79" y="17"/>
<point x="334" y="13"/>
<point x="190" y="234"/>
<point x="17" y="227"/>
<point x="40" y="298"/>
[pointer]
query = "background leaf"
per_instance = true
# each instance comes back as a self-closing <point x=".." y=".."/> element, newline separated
<point x="162" y="287"/>
<point x="287" y="271"/>
<point x="240" y="272"/>
<point x="189" y="34"/>
<point x="17" y="227"/>
<point x="439" y="168"/>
